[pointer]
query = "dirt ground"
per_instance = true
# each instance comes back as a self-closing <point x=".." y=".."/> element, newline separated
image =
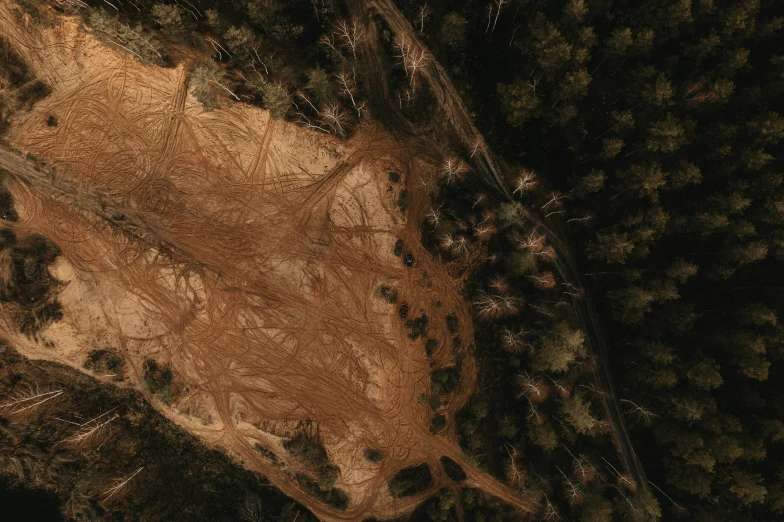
<point x="256" y="277"/>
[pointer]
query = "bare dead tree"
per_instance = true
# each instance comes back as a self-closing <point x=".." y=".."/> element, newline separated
<point x="514" y="341"/>
<point x="424" y="12"/>
<point x="573" y="492"/>
<point x="644" y="414"/>
<point x="29" y="399"/>
<point x="550" y="511"/>
<point x="515" y="473"/>
<point x="433" y="216"/>
<point x="583" y="218"/>
<point x="360" y="108"/>
<point x="499" y="4"/>
<point x="532" y="242"/>
<point x="119" y="485"/>
<point x="413" y="57"/>
<point x="488" y="305"/>
<point x="252" y="509"/>
<point x="90" y="429"/>
<point x="485" y="232"/>
<point x="555" y="198"/>
<point x="329" y="41"/>
<point x="476" y="146"/>
<point x="489" y="17"/>
<point x="524" y="182"/>
<point x="334" y="117"/>
<point x="453" y="169"/>
<point x="499" y="283"/>
<point x="533" y="388"/>
<point x="480" y="198"/>
<point x="351" y="34"/>
<point x="346" y="86"/>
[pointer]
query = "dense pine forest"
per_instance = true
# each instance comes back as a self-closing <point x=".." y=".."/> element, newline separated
<point x="659" y="124"/>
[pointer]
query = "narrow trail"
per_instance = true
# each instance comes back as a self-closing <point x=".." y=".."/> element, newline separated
<point x="453" y="106"/>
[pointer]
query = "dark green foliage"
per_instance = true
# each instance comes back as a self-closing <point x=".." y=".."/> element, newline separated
<point x="394" y="177"/>
<point x="430" y="347"/>
<point x="334" y="497"/>
<point x="182" y="480"/>
<point x="438" y="508"/>
<point x="374" y="455"/>
<point x="410" y="481"/>
<point x="453" y="469"/>
<point x="444" y="380"/>
<point x="28" y="286"/>
<point x="417" y="327"/>
<point x="20" y="92"/>
<point x="483" y="508"/>
<point x="437" y="424"/>
<point x="307" y="451"/>
<point x="399" y="245"/>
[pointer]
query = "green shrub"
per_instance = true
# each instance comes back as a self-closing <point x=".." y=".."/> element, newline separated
<point x="453" y="469"/>
<point x="410" y="481"/>
<point x="437" y="424"/>
<point x="374" y="455"/>
<point x="399" y="247"/>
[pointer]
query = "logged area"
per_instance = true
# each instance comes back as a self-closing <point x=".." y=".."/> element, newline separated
<point x="243" y="272"/>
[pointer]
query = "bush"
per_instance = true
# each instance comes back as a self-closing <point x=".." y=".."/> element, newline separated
<point x="158" y="379"/>
<point x="437" y="424"/>
<point x="417" y="327"/>
<point x="430" y="347"/>
<point x="307" y="451"/>
<point x="444" y="380"/>
<point x="452" y="323"/>
<point x="410" y="481"/>
<point x="402" y="201"/>
<point x="453" y="469"/>
<point x="374" y="455"/>
<point x="388" y="293"/>
<point x="105" y="361"/>
<point x="399" y="247"/>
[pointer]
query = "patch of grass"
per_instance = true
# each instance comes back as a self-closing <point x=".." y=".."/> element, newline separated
<point x="374" y="455"/>
<point x="410" y="481"/>
<point x="453" y="469"/>
<point x="437" y="424"/>
<point x="399" y="245"/>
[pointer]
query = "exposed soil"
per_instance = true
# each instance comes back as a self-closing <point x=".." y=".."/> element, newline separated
<point x="244" y="256"/>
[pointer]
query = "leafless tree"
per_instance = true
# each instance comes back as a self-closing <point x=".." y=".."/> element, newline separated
<point x="252" y="509"/>
<point x="555" y="198"/>
<point x="334" y="117"/>
<point x="346" y="86"/>
<point x="433" y="216"/>
<point x="477" y="143"/>
<point x="424" y="12"/>
<point x="533" y="388"/>
<point x="643" y="414"/>
<point x="550" y="511"/>
<point x="583" y="218"/>
<point x="453" y="169"/>
<point x="360" y="108"/>
<point x="524" y="182"/>
<point x="119" y="485"/>
<point x="329" y="41"/>
<point x="484" y="232"/>
<point x="499" y="283"/>
<point x="489" y="17"/>
<point x="515" y="472"/>
<point x="532" y="242"/>
<point x="573" y="491"/>
<point x="29" y="399"/>
<point x="514" y="341"/>
<point x="413" y="57"/>
<point x="480" y="198"/>
<point x="499" y="4"/>
<point x="90" y="429"/>
<point x="351" y="34"/>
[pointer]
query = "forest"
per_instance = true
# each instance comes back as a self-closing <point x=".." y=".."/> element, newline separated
<point x="647" y="136"/>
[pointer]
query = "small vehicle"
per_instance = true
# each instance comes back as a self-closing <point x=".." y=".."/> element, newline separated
<point x="404" y="310"/>
<point x="409" y="259"/>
